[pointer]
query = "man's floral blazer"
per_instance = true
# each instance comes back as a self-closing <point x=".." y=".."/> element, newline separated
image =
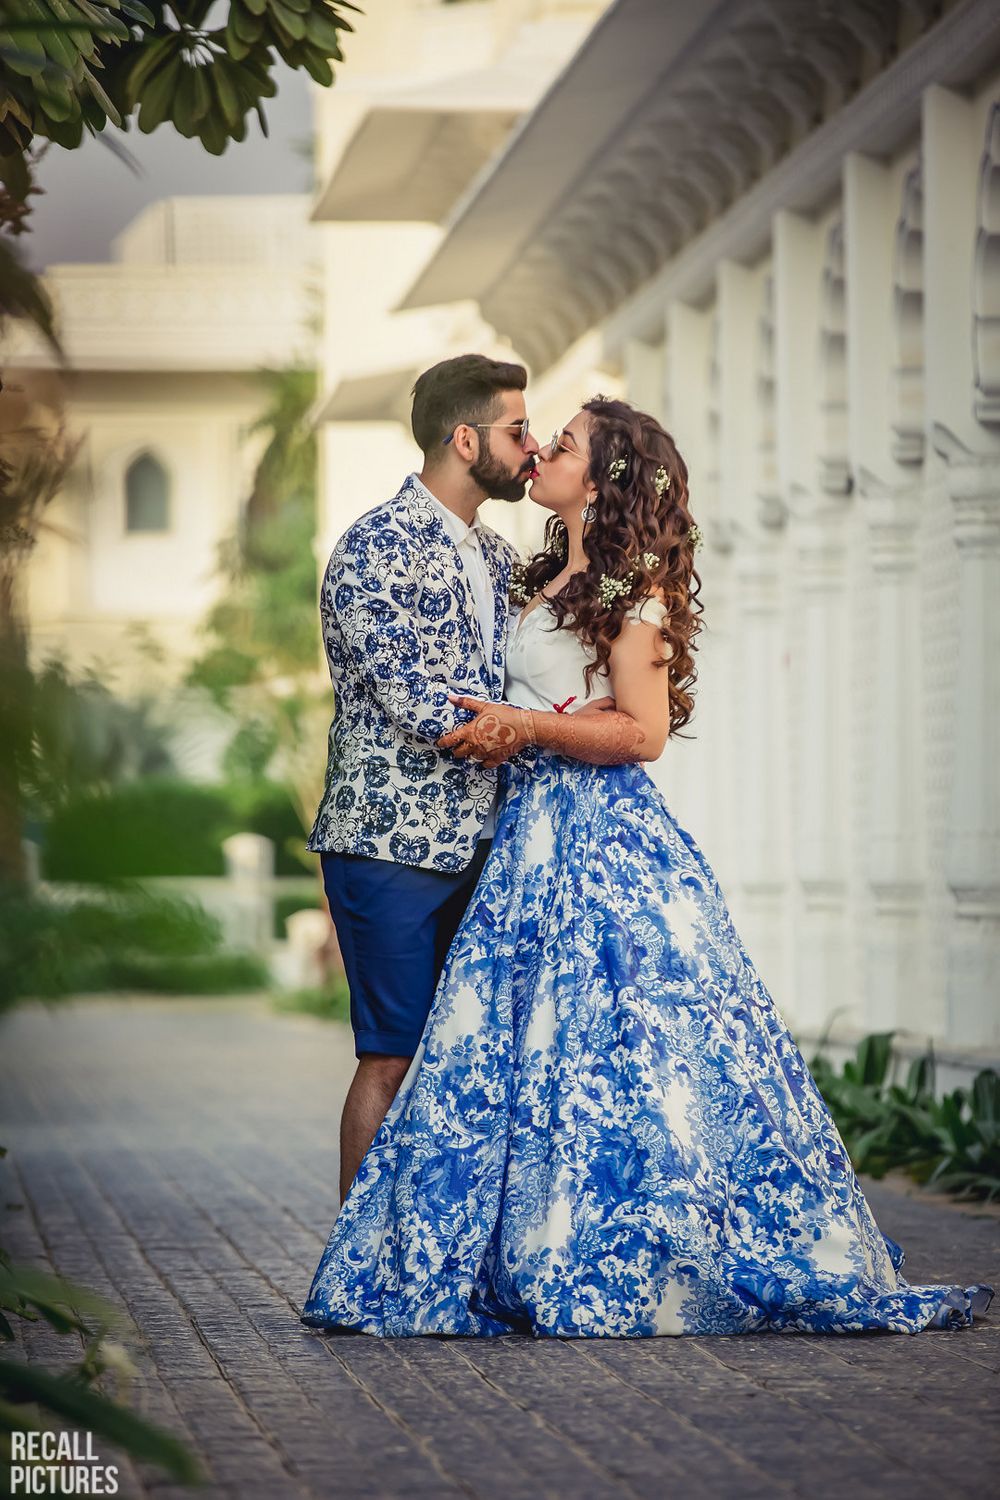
<point x="401" y="632"/>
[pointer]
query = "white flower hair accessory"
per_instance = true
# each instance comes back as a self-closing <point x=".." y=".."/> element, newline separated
<point x="518" y="587"/>
<point x="651" y="560"/>
<point x="661" y="480"/>
<point x="609" y="589"/>
<point x="695" y="537"/>
<point x="617" y="467"/>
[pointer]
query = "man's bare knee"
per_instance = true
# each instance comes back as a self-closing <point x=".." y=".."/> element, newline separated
<point x="383" y="1070"/>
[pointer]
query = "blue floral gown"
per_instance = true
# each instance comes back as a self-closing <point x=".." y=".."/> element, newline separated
<point x="607" y="1130"/>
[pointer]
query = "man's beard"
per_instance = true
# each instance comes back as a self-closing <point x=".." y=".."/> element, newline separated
<point x="496" y="481"/>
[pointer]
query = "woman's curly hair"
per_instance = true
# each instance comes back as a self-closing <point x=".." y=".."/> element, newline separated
<point x="633" y="520"/>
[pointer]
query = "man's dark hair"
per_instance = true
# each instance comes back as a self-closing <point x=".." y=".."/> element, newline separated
<point x="464" y="389"/>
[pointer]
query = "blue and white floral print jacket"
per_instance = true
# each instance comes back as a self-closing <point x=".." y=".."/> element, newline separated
<point x="401" y="632"/>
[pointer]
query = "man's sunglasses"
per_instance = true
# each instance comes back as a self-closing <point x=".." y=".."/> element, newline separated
<point x="520" y="427"/>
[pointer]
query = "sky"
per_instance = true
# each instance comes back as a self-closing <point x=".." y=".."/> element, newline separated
<point x="90" y="195"/>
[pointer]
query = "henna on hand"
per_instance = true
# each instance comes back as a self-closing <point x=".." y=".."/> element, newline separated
<point x="496" y="733"/>
<point x="605" y="737"/>
<point x="608" y="738"/>
<point x="491" y="735"/>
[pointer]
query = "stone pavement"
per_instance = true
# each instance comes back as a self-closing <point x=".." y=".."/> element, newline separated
<point x="180" y="1157"/>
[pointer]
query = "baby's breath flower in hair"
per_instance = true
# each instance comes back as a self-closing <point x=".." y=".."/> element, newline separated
<point x="695" y="537"/>
<point x="608" y="589"/>
<point x="651" y="560"/>
<point x="617" y="467"/>
<point x="518" y="588"/>
<point x="661" y="480"/>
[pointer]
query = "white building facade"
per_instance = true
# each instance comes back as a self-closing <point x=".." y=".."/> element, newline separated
<point x="429" y="93"/>
<point x="776" y="226"/>
<point x="163" y="347"/>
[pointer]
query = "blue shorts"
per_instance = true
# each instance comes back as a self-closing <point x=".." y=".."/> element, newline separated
<point x="394" y="924"/>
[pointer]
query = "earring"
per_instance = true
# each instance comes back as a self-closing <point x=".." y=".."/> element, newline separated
<point x="589" y="512"/>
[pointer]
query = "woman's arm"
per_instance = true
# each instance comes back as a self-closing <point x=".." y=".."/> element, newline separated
<point x="635" y="729"/>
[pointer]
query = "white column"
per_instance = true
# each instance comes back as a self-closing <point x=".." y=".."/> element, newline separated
<point x="755" y="748"/>
<point x="895" y="969"/>
<point x="644" y="376"/>
<point x="693" y="773"/>
<point x="250" y="898"/>
<point x="889" y="750"/>
<point x="953" y="149"/>
<point x="818" y="727"/>
<point x="972" y="851"/>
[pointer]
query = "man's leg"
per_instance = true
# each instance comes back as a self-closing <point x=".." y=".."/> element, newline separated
<point x="375" y="1085"/>
<point x="394" y="923"/>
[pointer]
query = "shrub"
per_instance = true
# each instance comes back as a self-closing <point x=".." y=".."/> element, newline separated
<point x="951" y="1143"/>
<point x="151" y="827"/>
<point x="161" y="826"/>
<point x="121" y="938"/>
<point x="265" y="807"/>
<point x="331" y="1003"/>
<point x="187" y="974"/>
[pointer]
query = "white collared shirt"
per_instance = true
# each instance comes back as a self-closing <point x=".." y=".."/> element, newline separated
<point x="469" y="546"/>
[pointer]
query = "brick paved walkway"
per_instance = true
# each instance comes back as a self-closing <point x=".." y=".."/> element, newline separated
<point x="179" y="1156"/>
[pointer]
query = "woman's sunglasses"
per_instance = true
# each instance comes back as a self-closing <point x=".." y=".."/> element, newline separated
<point x="555" y="443"/>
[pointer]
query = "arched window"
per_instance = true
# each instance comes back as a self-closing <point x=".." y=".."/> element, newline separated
<point x="147" y="495"/>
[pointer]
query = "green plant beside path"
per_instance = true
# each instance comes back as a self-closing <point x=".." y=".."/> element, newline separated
<point x="951" y="1143"/>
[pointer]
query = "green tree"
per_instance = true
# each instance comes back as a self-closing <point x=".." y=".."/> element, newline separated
<point x="262" y="656"/>
<point x="71" y="67"/>
<point x="32" y="472"/>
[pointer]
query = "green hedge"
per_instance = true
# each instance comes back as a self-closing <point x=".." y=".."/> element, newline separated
<point x="187" y="974"/>
<point x="162" y="826"/>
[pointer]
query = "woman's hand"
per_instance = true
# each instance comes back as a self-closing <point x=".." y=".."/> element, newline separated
<point x="499" y="730"/>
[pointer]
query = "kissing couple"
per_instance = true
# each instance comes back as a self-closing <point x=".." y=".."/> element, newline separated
<point x="577" y="1112"/>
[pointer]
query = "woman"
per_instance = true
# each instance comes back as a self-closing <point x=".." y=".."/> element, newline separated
<point x="607" y="1129"/>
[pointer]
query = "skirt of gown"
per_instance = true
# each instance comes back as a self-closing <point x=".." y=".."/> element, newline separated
<point x="607" y="1129"/>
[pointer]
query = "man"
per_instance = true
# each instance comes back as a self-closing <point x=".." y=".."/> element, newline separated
<point x="414" y="606"/>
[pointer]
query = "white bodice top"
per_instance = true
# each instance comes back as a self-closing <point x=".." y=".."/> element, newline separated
<point x="545" y="667"/>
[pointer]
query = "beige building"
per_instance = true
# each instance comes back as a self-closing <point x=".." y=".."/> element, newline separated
<point x="163" y="346"/>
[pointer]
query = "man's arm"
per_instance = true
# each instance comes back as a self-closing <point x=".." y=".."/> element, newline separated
<point x="373" y="598"/>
